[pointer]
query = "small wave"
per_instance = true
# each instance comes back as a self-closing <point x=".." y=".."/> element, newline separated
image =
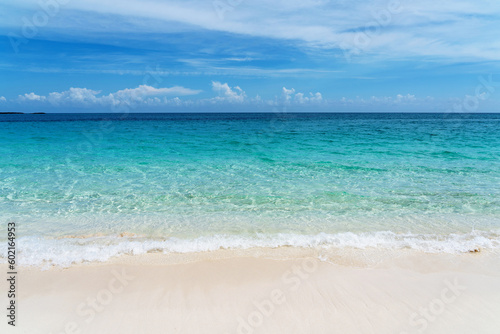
<point x="34" y="251"/>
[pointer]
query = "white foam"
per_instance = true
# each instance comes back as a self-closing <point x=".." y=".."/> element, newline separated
<point x="33" y="250"/>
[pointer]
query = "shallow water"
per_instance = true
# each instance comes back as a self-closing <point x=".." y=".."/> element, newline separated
<point x="191" y="182"/>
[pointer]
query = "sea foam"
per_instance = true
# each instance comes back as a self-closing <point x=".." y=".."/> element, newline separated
<point x="35" y="251"/>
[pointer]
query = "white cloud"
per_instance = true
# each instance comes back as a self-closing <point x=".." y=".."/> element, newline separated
<point x="2" y="99"/>
<point x="231" y="98"/>
<point x="392" y="103"/>
<point x="228" y="94"/>
<point x="80" y="96"/>
<point x="84" y="97"/>
<point x="145" y="91"/>
<point x="289" y="96"/>
<point x="398" y="99"/>
<point x="300" y="98"/>
<point x="150" y="97"/>
<point x="31" y="97"/>
<point x="405" y="98"/>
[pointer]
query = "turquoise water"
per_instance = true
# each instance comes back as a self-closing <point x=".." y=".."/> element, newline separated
<point x="190" y="182"/>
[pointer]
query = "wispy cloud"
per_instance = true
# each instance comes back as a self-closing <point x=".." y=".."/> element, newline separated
<point x="449" y="28"/>
<point x="324" y="49"/>
<point x="205" y="70"/>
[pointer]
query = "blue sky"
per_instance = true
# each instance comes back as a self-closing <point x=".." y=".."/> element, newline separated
<point x="240" y="55"/>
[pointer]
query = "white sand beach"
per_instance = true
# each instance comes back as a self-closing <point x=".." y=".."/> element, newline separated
<point x="264" y="291"/>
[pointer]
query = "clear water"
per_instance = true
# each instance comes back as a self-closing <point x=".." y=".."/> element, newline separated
<point x="190" y="182"/>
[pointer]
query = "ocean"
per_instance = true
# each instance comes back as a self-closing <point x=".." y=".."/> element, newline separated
<point x="87" y="187"/>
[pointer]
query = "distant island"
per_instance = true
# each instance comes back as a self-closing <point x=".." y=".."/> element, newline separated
<point x="18" y="112"/>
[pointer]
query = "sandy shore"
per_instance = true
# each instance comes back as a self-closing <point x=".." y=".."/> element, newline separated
<point x="250" y="293"/>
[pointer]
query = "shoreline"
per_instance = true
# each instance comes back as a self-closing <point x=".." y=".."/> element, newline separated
<point x="69" y="250"/>
<point x="252" y="292"/>
<point x="349" y="256"/>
